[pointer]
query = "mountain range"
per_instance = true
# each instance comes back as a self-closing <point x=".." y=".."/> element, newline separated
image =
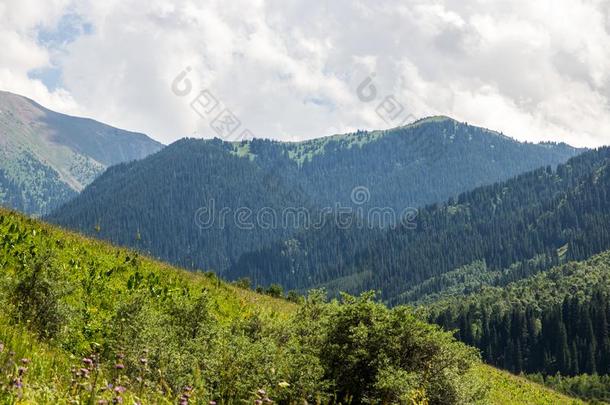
<point x="206" y="203"/>
<point x="46" y="157"/>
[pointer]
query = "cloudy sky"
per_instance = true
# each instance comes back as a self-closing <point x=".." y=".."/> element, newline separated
<point x="285" y="69"/>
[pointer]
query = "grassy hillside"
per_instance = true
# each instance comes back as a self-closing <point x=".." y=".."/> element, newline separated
<point x="84" y="321"/>
<point x="508" y="389"/>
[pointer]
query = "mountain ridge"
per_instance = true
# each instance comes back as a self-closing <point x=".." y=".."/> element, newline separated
<point x="547" y="215"/>
<point x="52" y="156"/>
<point x="405" y="168"/>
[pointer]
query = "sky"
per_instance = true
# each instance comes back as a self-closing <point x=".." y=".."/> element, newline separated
<point x="292" y="70"/>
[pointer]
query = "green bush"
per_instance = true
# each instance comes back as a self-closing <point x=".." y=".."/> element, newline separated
<point x="34" y="295"/>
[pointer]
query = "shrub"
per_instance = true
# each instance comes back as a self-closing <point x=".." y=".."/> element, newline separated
<point x="35" y="295"/>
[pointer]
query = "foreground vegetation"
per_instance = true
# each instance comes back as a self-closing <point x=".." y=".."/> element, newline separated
<point x="593" y="388"/>
<point x="88" y="322"/>
<point x="84" y="322"/>
<point x="505" y="389"/>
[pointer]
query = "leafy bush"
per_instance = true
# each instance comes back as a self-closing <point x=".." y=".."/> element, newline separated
<point x="35" y="294"/>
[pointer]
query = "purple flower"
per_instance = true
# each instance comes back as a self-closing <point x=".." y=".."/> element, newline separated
<point x="258" y="402"/>
<point x="83" y="372"/>
<point x="25" y="361"/>
<point x="212" y="403"/>
<point x="261" y="392"/>
<point x="119" y="366"/>
<point x="87" y="361"/>
<point x="22" y="370"/>
<point x="120" y="389"/>
<point x="117" y="400"/>
<point x="18" y="382"/>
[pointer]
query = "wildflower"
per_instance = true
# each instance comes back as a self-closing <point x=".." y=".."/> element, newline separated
<point x="258" y="402"/>
<point x="117" y="400"/>
<point x="261" y="392"/>
<point x="144" y="361"/>
<point x="119" y="389"/>
<point x="18" y="382"/>
<point x="119" y="366"/>
<point x="22" y="370"/>
<point x="102" y="402"/>
<point x="87" y="361"/>
<point x="25" y="361"/>
<point x="212" y="403"/>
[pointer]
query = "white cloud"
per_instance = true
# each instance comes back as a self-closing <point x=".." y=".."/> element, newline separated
<point x="289" y="69"/>
<point x="19" y="23"/>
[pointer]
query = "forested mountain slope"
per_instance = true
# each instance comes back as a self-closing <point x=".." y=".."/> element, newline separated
<point x="162" y="204"/>
<point x="553" y="322"/>
<point x="47" y="157"/>
<point x="511" y="229"/>
<point x="84" y="321"/>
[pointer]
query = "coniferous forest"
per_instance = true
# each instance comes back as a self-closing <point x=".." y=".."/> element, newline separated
<point x="555" y="322"/>
<point x="162" y="204"/>
<point x="515" y="228"/>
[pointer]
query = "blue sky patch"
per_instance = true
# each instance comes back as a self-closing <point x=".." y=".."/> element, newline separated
<point x="69" y="28"/>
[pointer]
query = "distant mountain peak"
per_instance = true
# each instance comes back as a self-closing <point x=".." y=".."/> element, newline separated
<point x="48" y="156"/>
